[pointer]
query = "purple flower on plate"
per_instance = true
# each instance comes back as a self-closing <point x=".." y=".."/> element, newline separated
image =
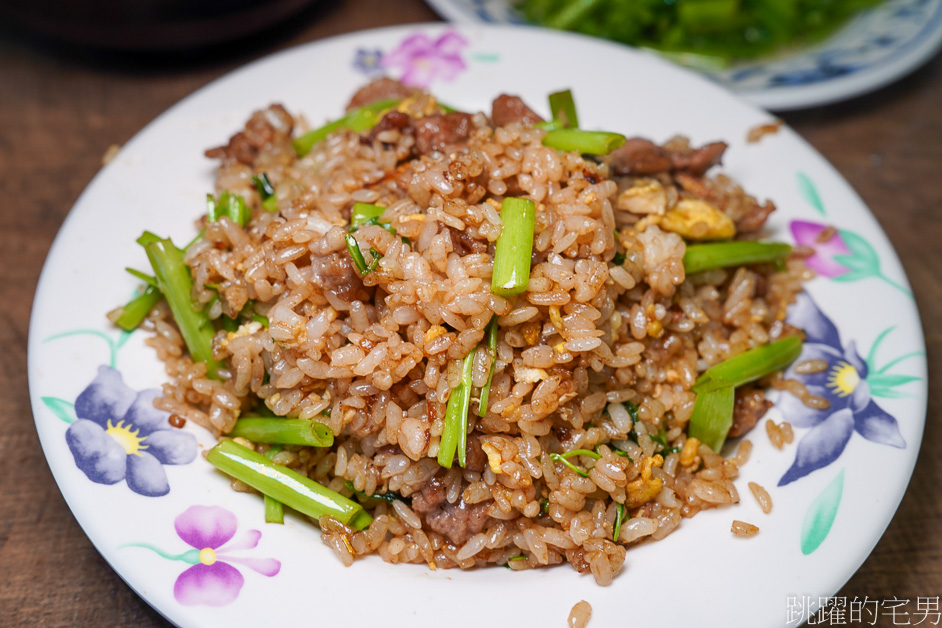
<point x="823" y="261"/>
<point x="212" y="580"/>
<point x="423" y="60"/>
<point x="120" y="435"/>
<point x="368" y="61"/>
<point x="848" y="386"/>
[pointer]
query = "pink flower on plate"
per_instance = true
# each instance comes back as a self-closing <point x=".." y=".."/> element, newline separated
<point x="423" y="60"/>
<point x="212" y="580"/>
<point x="824" y="260"/>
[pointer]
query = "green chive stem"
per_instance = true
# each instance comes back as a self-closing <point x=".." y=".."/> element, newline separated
<point x="712" y="416"/>
<point x="565" y="461"/>
<point x="358" y="120"/>
<point x="150" y="280"/>
<point x="492" y="352"/>
<point x="173" y="278"/>
<point x="563" y="108"/>
<point x="514" y="247"/>
<point x="750" y="365"/>
<point x="133" y="313"/>
<point x="287" y="486"/>
<point x="619" y="517"/>
<point x="283" y="431"/>
<point x="274" y="509"/>
<point x="585" y="142"/>
<point x="363" y="213"/>
<point x="455" y="435"/>
<point x="700" y="257"/>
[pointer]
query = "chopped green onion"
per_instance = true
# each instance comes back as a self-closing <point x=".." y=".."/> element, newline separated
<point x="750" y="365"/>
<point x="173" y="278"/>
<point x="388" y="496"/>
<point x="544" y="506"/>
<point x="632" y="409"/>
<point x="700" y="257"/>
<point x="356" y="254"/>
<point x="266" y="191"/>
<point x="455" y="435"/>
<point x="619" y="517"/>
<point x="150" y="280"/>
<point x="560" y="458"/>
<point x="585" y="142"/>
<point x="287" y="486"/>
<point x="274" y="509"/>
<point x="549" y="125"/>
<point x="261" y="320"/>
<point x="491" y="335"/>
<point x="231" y="205"/>
<point x="563" y="108"/>
<point x="283" y="431"/>
<point x="581" y="452"/>
<point x="133" y="313"/>
<point x="619" y="258"/>
<point x="364" y="212"/>
<point x="358" y="120"/>
<point x="712" y="416"/>
<point x="514" y="247"/>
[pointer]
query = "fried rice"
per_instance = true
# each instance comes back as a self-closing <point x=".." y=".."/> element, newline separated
<point x="599" y="353"/>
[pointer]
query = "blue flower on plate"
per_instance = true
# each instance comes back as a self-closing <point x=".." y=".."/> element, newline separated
<point x="120" y="435"/>
<point x="844" y="384"/>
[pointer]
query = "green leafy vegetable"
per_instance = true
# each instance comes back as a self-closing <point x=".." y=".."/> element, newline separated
<point x="563" y="108"/>
<point x="455" y="435"/>
<point x="750" y="365"/>
<point x="231" y="205"/>
<point x="491" y="335"/>
<point x="359" y="262"/>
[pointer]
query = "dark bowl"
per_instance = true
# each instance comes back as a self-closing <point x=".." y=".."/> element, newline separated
<point x="148" y="25"/>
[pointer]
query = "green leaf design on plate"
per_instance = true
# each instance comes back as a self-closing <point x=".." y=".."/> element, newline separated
<point x="810" y="192"/>
<point x="863" y="262"/>
<point x="191" y="557"/>
<point x="61" y="408"/>
<point x="820" y="515"/>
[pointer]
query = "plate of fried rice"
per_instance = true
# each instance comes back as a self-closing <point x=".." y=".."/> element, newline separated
<point x="416" y="316"/>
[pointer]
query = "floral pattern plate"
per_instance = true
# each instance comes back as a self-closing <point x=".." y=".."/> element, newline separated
<point x="877" y="47"/>
<point x="200" y="552"/>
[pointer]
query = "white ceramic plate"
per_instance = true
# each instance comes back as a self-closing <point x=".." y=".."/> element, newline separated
<point x="877" y="47"/>
<point x="853" y="463"/>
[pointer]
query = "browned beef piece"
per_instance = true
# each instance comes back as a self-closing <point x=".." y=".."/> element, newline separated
<point x="458" y="522"/>
<point x="430" y="497"/>
<point x="394" y="120"/>
<point x="335" y="274"/>
<point x="441" y="132"/>
<point x="507" y="109"/>
<point x="263" y="129"/>
<point x="463" y="244"/>
<point x="639" y="156"/>
<point x="754" y="218"/>
<point x="475" y="458"/>
<point x="751" y="405"/>
<point x="380" y="89"/>
<point x="699" y="160"/>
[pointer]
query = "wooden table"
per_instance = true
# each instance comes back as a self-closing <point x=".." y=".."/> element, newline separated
<point x="59" y="113"/>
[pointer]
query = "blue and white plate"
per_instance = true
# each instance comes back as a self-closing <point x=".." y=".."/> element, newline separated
<point x="879" y="46"/>
<point x="201" y="554"/>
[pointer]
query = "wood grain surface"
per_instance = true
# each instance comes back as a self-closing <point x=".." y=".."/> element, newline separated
<point x="60" y="110"/>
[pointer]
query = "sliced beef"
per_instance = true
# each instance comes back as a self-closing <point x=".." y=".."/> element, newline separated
<point x="335" y="274"/>
<point x="698" y="160"/>
<point x="463" y="244"/>
<point x="750" y="406"/>
<point x="642" y="157"/>
<point x="475" y="458"/>
<point x="754" y="218"/>
<point x="639" y="156"/>
<point x="380" y="89"/>
<point x="430" y="497"/>
<point x="507" y="109"/>
<point x="392" y="121"/>
<point x="458" y="522"/>
<point x="442" y="132"/>
<point x="264" y="128"/>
